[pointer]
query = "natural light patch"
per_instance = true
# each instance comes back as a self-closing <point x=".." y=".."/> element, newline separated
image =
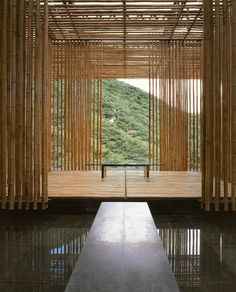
<point x="194" y="103"/>
<point x="141" y="83"/>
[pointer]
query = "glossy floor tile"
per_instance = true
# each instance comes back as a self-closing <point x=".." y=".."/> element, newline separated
<point x="123" y="253"/>
<point x="201" y="250"/>
<point x="39" y="252"/>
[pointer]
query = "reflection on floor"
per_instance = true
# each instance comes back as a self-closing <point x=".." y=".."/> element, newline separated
<point x="201" y="250"/>
<point x="38" y="253"/>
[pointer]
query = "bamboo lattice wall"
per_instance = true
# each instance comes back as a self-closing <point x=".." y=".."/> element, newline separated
<point x="76" y="105"/>
<point x="54" y="55"/>
<point x="174" y="105"/>
<point x="218" y="126"/>
<point x="24" y="103"/>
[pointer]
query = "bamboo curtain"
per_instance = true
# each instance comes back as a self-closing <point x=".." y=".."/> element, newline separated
<point x="174" y="98"/>
<point x="76" y="105"/>
<point x="219" y="126"/>
<point x="24" y="103"/>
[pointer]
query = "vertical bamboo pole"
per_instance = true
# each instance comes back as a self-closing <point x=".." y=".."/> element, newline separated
<point x="9" y="30"/>
<point x="233" y="125"/>
<point x="11" y="184"/>
<point x="217" y="106"/>
<point x="61" y="105"/>
<point x="29" y="105"/>
<point x="225" y="106"/>
<point x="53" y="107"/>
<point x="37" y="97"/>
<point x="24" y="70"/>
<point x="19" y="99"/>
<point x="45" y="108"/>
<point x="65" y="106"/>
<point x="203" y="126"/>
<point x="100" y="109"/>
<point x="150" y="105"/>
<point x="3" y="104"/>
<point x="57" y="104"/>
<point x="208" y="96"/>
<point x="50" y="106"/>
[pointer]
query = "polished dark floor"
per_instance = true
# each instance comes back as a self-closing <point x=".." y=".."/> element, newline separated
<point x="201" y="250"/>
<point x="39" y="252"/>
<point x="123" y="253"/>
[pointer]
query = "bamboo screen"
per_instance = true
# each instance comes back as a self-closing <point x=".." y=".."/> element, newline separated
<point x="53" y="58"/>
<point x="174" y="111"/>
<point x="219" y="111"/>
<point x="23" y="103"/>
<point x="76" y="105"/>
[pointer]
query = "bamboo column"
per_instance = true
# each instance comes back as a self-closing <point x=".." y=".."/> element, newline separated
<point x="45" y="107"/>
<point x="217" y="100"/>
<point x="208" y="96"/>
<point x="37" y="81"/>
<point x="233" y="121"/>
<point x="29" y="104"/>
<point x="21" y="103"/>
<point x="19" y="100"/>
<point x="3" y="103"/>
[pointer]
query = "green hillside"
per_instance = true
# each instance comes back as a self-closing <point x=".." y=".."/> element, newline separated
<point x="125" y="122"/>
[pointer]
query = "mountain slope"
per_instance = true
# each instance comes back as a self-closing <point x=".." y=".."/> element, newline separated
<point x="125" y="122"/>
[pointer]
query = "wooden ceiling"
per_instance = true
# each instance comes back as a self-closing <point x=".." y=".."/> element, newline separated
<point x="127" y="29"/>
<point x="125" y="21"/>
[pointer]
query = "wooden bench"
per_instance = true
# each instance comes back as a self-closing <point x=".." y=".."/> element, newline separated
<point x="123" y="252"/>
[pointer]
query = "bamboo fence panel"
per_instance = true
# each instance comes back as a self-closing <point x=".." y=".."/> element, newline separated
<point x="24" y="108"/>
<point x="174" y="79"/>
<point x="51" y="90"/>
<point x="77" y="105"/>
<point x="217" y="151"/>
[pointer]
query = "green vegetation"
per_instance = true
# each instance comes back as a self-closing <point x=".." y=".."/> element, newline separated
<point x="125" y="123"/>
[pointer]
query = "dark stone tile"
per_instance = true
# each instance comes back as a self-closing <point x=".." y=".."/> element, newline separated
<point x="146" y="268"/>
<point x="97" y="264"/>
<point x="107" y="230"/>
